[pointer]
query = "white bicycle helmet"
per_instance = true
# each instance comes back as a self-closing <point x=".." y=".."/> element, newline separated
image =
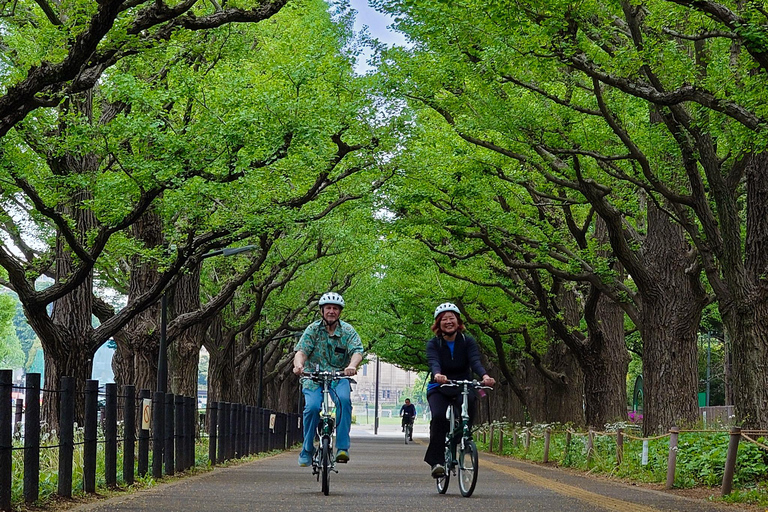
<point x="446" y="306"/>
<point x="331" y="298"/>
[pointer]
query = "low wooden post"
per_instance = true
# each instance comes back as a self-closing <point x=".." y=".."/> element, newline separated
<point x="129" y="432"/>
<point x="547" y="435"/>
<point x="66" y="435"/>
<point x="490" y="443"/>
<point x="6" y="439"/>
<point x="90" y="435"/>
<point x="32" y="439"/>
<point x="730" y="461"/>
<point x="567" y="445"/>
<point x="19" y="415"/>
<point x="143" y="465"/>
<point x="619" y="446"/>
<point x="110" y="435"/>
<point x="590" y="445"/>
<point x="501" y="441"/>
<point x="213" y="418"/>
<point x="514" y="439"/>
<point x="674" y="432"/>
<point x="527" y="440"/>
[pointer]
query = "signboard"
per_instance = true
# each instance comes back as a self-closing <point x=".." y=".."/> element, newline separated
<point x="146" y="413"/>
<point x="272" y="418"/>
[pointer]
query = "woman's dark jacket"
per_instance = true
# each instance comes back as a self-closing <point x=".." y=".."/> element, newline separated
<point x="459" y="366"/>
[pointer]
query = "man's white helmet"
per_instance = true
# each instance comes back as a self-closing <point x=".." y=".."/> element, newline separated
<point x="331" y="298"/>
<point x="446" y="306"/>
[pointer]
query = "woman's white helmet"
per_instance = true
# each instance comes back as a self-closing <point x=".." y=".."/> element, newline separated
<point x="446" y="306"/>
<point x="331" y="298"/>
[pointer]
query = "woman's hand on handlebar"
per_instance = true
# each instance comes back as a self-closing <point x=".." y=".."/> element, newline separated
<point x="298" y="369"/>
<point x="441" y="379"/>
<point x="488" y="381"/>
<point x="349" y="371"/>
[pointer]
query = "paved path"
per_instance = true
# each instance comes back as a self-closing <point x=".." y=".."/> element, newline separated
<point x="385" y="474"/>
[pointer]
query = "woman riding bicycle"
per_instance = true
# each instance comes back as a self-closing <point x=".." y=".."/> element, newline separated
<point x="451" y="355"/>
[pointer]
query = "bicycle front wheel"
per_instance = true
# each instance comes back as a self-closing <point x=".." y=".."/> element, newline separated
<point x="467" y="468"/>
<point x="407" y="433"/>
<point x="325" y="458"/>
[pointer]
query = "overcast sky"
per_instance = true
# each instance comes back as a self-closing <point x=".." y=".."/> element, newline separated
<point x="377" y="26"/>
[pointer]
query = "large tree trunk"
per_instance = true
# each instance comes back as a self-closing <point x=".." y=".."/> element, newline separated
<point x="604" y="361"/>
<point x="184" y="351"/>
<point x="670" y="314"/>
<point x="746" y="316"/>
<point x="68" y="350"/>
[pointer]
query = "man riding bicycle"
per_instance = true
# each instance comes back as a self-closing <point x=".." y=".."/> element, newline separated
<point x="328" y="345"/>
<point x="408" y="413"/>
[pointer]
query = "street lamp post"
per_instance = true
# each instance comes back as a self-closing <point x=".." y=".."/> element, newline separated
<point x="162" y="356"/>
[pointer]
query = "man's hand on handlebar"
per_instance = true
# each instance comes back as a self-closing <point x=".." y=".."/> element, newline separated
<point x="488" y="381"/>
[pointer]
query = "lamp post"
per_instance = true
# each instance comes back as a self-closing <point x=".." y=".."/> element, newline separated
<point x="162" y="356"/>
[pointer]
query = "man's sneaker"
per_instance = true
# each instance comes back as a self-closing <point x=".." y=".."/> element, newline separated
<point x="342" y="456"/>
<point x="438" y="471"/>
<point x="305" y="459"/>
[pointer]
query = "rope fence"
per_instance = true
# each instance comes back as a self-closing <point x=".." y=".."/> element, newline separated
<point x="518" y="440"/>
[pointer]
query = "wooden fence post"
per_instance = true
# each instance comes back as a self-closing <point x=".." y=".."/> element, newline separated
<point x="527" y="440"/>
<point x="514" y="438"/>
<point x="158" y="433"/>
<point x="674" y="432"/>
<point x="178" y="420"/>
<point x="32" y="439"/>
<point x="129" y="432"/>
<point x="6" y="439"/>
<point x="18" y="416"/>
<point x="110" y="435"/>
<point x="501" y="441"/>
<point x="170" y="441"/>
<point x="90" y="435"/>
<point x="619" y="446"/>
<point x="490" y="443"/>
<point x="213" y="425"/>
<point x="66" y="435"/>
<point x="590" y="445"/>
<point x="143" y="436"/>
<point x="567" y="445"/>
<point x="730" y="461"/>
<point x="547" y="435"/>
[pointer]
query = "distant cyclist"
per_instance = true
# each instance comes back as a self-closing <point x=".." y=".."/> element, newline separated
<point x="408" y="413"/>
<point x="330" y="345"/>
<point x="451" y="355"/>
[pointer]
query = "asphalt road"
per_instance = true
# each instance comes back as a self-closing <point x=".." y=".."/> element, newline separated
<point x="386" y="474"/>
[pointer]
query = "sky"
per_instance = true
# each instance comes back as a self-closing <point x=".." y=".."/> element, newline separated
<point x="377" y="24"/>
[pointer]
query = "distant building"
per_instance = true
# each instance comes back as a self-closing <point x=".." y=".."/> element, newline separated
<point x="393" y="381"/>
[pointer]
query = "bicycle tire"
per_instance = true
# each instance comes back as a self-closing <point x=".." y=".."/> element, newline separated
<point x="326" y="465"/>
<point x="408" y="433"/>
<point x="467" y="468"/>
<point x="443" y="481"/>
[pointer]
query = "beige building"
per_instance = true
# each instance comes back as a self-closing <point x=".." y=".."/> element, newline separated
<point x="393" y="381"/>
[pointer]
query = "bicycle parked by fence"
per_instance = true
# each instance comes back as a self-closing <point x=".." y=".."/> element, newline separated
<point x="323" y="461"/>
<point x="460" y="448"/>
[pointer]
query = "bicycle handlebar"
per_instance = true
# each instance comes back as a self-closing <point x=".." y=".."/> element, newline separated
<point x="320" y="376"/>
<point x="473" y="383"/>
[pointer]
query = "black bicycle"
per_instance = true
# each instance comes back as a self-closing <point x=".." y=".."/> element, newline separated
<point x="408" y="429"/>
<point x="323" y="461"/>
<point x="460" y="449"/>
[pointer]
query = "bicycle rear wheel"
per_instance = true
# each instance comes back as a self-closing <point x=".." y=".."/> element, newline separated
<point x="325" y="458"/>
<point x="467" y="468"/>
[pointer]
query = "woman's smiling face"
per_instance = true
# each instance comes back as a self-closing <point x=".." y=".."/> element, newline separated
<point x="449" y="323"/>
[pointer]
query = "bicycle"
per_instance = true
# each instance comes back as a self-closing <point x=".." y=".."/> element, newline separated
<point x="459" y="438"/>
<point x="408" y="430"/>
<point x="323" y="461"/>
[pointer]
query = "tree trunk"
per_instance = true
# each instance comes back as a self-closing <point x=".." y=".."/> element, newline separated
<point x="746" y="318"/>
<point x="184" y="351"/>
<point x="670" y="314"/>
